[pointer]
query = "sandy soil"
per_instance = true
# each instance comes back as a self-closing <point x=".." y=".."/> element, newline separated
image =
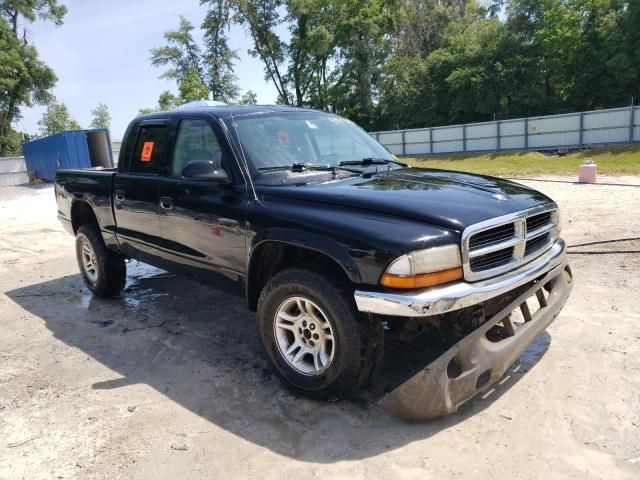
<point x="168" y="381"/>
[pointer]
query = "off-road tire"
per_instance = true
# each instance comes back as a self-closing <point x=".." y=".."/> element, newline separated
<point x="110" y="266"/>
<point x="359" y="340"/>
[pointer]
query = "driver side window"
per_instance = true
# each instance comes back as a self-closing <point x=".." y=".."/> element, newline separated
<point x="196" y="141"/>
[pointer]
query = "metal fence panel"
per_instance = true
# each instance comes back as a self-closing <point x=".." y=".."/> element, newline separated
<point x="571" y="130"/>
<point x="450" y="146"/>
<point x="12" y="165"/>
<point x="417" y="136"/>
<point x="610" y="135"/>
<point x="481" y="144"/>
<point x="481" y="130"/>
<point x="417" y="148"/>
<point x="13" y="178"/>
<point x="445" y="134"/>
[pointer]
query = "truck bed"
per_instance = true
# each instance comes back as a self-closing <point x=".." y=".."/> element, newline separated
<point x="91" y="186"/>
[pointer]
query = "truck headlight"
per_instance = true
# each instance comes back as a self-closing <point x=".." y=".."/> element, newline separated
<point x="424" y="268"/>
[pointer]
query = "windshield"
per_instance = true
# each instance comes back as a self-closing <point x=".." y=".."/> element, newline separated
<point x="286" y="138"/>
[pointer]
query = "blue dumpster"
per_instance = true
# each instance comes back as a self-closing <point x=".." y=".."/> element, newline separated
<point x="71" y="149"/>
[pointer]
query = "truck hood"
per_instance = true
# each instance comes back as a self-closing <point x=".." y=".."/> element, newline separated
<point x="452" y="200"/>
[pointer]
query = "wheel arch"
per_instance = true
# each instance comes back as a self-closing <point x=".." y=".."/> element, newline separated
<point x="271" y="255"/>
<point x="82" y="213"/>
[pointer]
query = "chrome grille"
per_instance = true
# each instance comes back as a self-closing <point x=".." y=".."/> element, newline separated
<point x="502" y="244"/>
<point x="536" y="244"/>
<point x="492" y="236"/>
<point x="491" y="260"/>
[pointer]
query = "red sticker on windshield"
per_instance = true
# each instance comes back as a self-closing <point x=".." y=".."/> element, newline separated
<point x="147" y="151"/>
<point x="283" y="137"/>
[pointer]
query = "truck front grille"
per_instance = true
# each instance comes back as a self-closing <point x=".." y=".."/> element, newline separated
<point x="492" y="236"/>
<point x="496" y="246"/>
<point x="492" y="260"/>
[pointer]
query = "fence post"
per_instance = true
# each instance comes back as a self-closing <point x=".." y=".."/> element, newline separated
<point x="430" y="141"/>
<point x="404" y="144"/>
<point x="631" y="123"/>
<point x="498" y="146"/>
<point x="378" y="137"/>
<point x="581" y="129"/>
<point x="464" y="138"/>
<point x="526" y="133"/>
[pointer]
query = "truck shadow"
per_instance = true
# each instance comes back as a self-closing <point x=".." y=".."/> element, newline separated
<point x="200" y="348"/>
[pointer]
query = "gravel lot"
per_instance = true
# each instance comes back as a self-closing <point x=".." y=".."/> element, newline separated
<point x="168" y="381"/>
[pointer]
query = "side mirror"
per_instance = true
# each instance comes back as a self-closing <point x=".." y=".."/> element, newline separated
<point x="204" y="170"/>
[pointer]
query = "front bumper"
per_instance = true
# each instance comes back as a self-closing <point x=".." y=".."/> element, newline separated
<point x="478" y="361"/>
<point x="454" y="296"/>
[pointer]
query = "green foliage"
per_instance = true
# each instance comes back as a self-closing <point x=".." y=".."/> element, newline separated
<point x="218" y="58"/>
<point x="331" y="56"/>
<point x="13" y="143"/>
<point x="455" y="61"/>
<point x="200" y="70"/>
<point x="249" y="98"/>
<point x="414" y="63"/>
<point x="101" y="117"/>
<point x="24" y="79"/>
<point x="192" y="88"/>
<point x="181" y="54"/>
<point x="57" y="119"/>
<point x="168" y="101"/>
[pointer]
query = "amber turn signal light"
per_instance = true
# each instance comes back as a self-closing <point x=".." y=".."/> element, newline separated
<point x="422" y="280"/>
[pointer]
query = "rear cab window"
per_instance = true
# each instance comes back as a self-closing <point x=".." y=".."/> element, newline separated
<point x="149" y="152"/>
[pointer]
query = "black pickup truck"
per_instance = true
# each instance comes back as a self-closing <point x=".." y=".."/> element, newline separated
<point x="331" y="240"/>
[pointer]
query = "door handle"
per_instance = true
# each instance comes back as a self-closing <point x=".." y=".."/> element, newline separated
<point x="119" y="195"/>
<point x="166" y="203"/>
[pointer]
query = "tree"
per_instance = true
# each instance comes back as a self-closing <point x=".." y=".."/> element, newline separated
<point x="24" y="79"/>
<point x="14" y="143"/>
<point x="192" y="88"/>
<point x="218" y="58"/>
<point x="101" y="117"/>
<point x="147" y="111"/>
<point x="249" y="98"/>
<point x="181" y="55"/>
<point x="332" y="58"/>
<point x="200" y="69"/>
<point x="168" y="101"/>
<point x="57" y="119"/>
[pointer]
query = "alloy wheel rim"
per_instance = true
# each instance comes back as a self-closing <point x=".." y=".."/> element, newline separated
<point x="304" y="336"/>
<point x="89" y="264"/>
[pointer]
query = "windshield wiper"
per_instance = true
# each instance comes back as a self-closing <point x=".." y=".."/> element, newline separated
<point x="303" y="167"/>
<point x="365" y="162"/>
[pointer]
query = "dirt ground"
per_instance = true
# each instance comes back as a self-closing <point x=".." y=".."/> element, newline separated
<point x="168" y="381"/>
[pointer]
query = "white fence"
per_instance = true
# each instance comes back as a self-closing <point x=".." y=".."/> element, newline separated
<point x="571" y="130"/>
<point x="13" y="171"/>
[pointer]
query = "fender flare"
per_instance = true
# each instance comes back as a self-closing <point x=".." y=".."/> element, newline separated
<point x="322" y="244"/>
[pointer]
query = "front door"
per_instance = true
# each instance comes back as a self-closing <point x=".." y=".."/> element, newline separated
<point x="135" y="193"/>
<point x="202" y="222"/>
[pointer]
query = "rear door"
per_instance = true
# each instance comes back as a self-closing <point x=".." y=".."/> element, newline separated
<point x="135" y="190"/>
<point x="203" y="221"/>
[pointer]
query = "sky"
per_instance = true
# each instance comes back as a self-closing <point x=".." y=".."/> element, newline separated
<point x="101" y="55"/>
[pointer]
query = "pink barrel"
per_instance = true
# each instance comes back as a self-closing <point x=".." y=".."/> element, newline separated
<point x="587" y="172"/>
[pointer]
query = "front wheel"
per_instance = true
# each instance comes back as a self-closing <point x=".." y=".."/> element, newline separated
<point x="104" y="272"/>
<point x="314" y="337"/>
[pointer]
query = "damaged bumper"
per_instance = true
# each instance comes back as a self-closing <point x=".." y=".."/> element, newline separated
<point x="481" y="358"/>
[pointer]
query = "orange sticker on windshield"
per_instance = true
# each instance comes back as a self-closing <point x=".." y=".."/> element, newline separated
<point x="147" y="151"/>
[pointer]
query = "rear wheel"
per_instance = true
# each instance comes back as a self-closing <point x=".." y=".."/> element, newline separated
<point x="314" y="337"/>
<point x="103" y="271"/>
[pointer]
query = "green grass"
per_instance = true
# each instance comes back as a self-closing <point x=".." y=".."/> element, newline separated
<point x="623" y="160"/>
